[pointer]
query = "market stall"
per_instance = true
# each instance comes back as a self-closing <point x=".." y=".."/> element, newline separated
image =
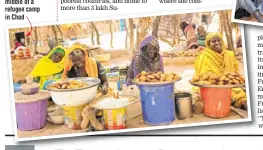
<point x="172" y="96"/>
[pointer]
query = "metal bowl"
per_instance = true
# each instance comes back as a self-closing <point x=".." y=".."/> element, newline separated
<point x="75" y="97"/>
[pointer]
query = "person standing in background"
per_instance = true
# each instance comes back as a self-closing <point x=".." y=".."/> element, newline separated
<point x="51" y="43"/>
<point x="189" y="32"/>
<point x="22" y="41"/>
<point x="17" y="44"/>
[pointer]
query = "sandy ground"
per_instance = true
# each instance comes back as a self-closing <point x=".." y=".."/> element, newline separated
<point x="134" y="120"/>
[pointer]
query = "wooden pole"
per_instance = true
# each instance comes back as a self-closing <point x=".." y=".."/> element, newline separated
<point x="127" y="33"/>
<point x="156" y="26"/>
<point x="97" y="32"/>
<point x="111" y="35"/>
<point x="55" y="34"/>
<point x="131" y="35"/>
<point x="36" y="39"/>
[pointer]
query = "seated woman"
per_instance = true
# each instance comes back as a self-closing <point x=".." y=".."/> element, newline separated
<point x="79" y="64"/>
<point x="189" y="32"/>
<point x="146" y="59"/>
<point x="49" y="67"/>
<point x="216" y="59"/>
<point x="201" y="35"/>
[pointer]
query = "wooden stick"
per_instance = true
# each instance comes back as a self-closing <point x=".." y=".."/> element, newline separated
<point x="238" y="112"/>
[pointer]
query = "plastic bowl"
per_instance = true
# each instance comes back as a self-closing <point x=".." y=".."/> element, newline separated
<point x="75" y="97"/>
<point x="29" y="90"/>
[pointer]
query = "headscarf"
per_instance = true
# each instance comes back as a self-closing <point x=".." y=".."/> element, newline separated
<point x="183" y="25"/>
<point x="210" y="61"/>
<point x="201" y="31"/>
<point x="59" y="50"/>
<point x="141" y="62"/>
<point x="90" y="63"/>
<point x="46" y="67"/>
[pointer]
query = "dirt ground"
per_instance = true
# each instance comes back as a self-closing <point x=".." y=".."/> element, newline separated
<point x="134" y="120"/>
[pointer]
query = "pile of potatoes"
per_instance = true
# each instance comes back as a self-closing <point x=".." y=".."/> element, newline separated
<point x="156" y="77"/>
<point x="65" y="84"/>
<point x="189" y="53"/>
<point x="231" y="78"/>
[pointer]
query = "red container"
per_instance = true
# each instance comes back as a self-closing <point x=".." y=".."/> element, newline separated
<point x="217" y="101"/>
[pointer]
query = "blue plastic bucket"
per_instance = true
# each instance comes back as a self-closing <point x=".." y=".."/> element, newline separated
<point x="17" y="87"/>
<point x="157" y="103"/>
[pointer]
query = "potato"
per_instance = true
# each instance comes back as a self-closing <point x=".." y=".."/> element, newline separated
<point x="238" y="78"/>
<point x="156" y="76"/>
<point x="163" y="76"/>
<point x="221" y="83"/>
<point x="205" y="77"/>
<point x="241" y="82"/>
<point x="231" y="77"/>
<point x="57" y="86"/>
<point x="159" y="73"/>
<point x="222" y="78"/>
<point x="143" y="73"/>
<point x="69" y="87"/>
<point x="150" y="76"/>
<point x="74" y="82"/>
<point x="207" y="83"/>
<point x="227" y="79"/>
<point x="233" y="74"/>
<point x="196" y="78"/>
<point x="163" y="79"/>
<point x="148" y="79"/>
<point x="212" y="81"/>
<point x="143" y="78"/>
<point x="154" y="80"/>
<point x="236" y="81"/>
<point x="64" y="86"/>
<point x="170" y="78"/>
<point x="176" y="77"/>
<point x="137" y="80"/>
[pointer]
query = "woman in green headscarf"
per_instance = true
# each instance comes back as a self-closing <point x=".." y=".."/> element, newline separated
<point x="50" y="67"/>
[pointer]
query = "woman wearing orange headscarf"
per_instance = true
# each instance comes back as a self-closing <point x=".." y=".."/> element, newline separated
<point x="79" y="64"/>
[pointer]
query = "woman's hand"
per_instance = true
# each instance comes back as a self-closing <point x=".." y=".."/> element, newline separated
<point x="104" y="89"/>
<point x="29" y="79"/>
<point x="105" y="84"/>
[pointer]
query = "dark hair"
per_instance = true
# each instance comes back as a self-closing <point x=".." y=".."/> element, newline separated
<point x="194" y="26"/>
<point x="183" y="25"/>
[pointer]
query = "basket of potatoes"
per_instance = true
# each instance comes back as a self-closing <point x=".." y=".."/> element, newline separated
<point x="226" y="80"/>
<point x="156" y="78"/>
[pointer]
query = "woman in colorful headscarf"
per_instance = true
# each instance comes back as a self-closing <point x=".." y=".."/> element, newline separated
<point x="79" y="64"/>
<point x="201" y="35"/>
<point x="49" y="67"/>
<point x="217" y="59"/>
<point x="191" y="38"/>
<point x="146" y="59"/>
